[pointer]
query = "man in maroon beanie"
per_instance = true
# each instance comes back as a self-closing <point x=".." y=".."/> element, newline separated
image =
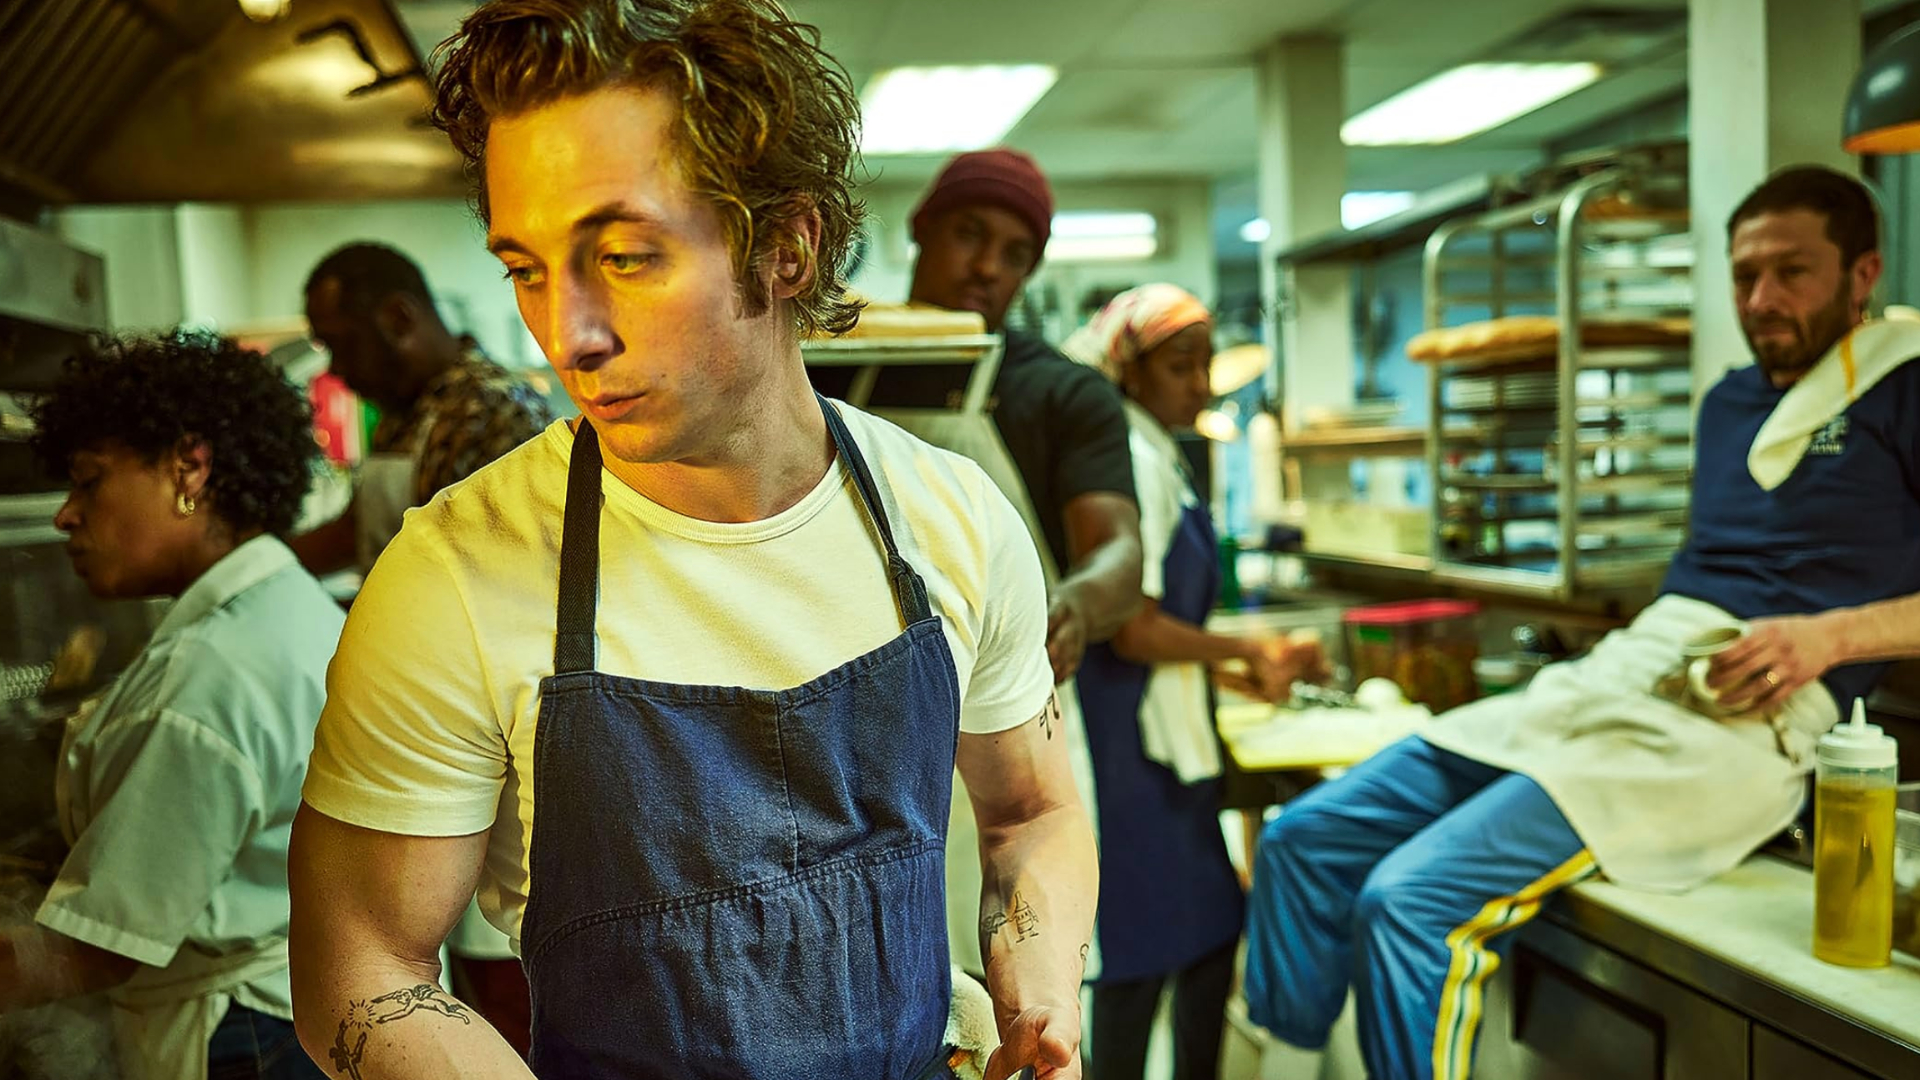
<point x="982" y="229"/>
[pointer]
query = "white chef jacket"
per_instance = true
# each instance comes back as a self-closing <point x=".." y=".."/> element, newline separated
<point x="177" y="789"/>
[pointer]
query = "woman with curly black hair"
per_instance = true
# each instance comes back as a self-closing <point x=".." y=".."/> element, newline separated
<point x="189" y="458"/>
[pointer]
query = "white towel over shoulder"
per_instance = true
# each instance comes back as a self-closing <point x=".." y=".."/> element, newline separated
<point x="1848" y="370"/>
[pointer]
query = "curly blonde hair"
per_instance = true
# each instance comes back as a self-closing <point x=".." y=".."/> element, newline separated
<point x="768" y="127"/>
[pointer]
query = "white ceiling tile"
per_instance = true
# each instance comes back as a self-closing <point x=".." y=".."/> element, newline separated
<point x="1172" y="30"/>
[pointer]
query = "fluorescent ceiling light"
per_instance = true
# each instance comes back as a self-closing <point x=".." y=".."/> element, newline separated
<point x="939" y="110"/>
<point x="1465" y="101"/>
<point x="1103" y="235"/>
<point x="1359" y="208"/>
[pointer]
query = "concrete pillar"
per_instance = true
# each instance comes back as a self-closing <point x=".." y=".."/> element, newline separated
<point x="1303" y="173"/>
<point x="1767" y="81"/>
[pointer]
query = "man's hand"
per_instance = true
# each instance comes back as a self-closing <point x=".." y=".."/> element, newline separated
<point x="1773" y="661"/>
<point x="1066" y="636"/>
<point x="1046" y="1038"/>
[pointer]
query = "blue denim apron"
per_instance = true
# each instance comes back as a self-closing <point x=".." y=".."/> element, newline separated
<point x="1168" y="893"/>
<point x="733" y="883"/>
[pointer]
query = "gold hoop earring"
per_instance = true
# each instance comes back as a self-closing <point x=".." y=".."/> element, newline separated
<point x="183" y="505"/>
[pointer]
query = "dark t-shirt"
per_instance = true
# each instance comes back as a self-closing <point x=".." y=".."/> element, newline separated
<point x="1062" y="422"/>
<point x="1842" y="530"/>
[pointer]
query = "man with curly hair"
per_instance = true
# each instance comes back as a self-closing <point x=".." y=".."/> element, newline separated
<point x="446" y="409"/>
<point x="727" y="638"/>
<point x="177" y="787"/>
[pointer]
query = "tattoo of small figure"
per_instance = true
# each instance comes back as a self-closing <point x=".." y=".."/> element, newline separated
<point x="362" y="1015"/>
<point x="346" y="1059"/>
<point x="1020" y="914"/>
<point x="1050" y="716"/>
<point x="424" y="996"/>
<point x="1084" y="946"/>
<point x="1026" y="921"/>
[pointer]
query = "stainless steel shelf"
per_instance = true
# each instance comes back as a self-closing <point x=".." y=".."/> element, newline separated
<point x="1532" y="441"/>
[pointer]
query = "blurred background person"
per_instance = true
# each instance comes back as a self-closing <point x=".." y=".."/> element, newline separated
<point x="1171" y="906"/>
<point x="176" y="787"/>
<point x="445" y="409"/>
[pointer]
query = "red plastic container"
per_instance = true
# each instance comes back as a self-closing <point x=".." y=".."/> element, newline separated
<point x="1426" y="647"/>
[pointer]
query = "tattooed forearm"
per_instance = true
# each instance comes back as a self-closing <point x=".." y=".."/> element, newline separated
<point x="350" y="1042"/>
<point x="1019" y="914"/>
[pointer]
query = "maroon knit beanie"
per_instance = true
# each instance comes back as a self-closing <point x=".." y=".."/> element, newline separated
<point x="1005" y="178"/>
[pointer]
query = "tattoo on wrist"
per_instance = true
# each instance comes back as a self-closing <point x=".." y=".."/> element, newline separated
<point x="1019" y="914"/>
<point x="350" y="1041"/>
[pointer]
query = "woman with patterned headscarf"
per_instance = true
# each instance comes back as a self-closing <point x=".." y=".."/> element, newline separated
<point x="1170" y="903"/>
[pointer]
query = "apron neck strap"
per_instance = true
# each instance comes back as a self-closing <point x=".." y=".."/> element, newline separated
<point x="908" y="590"/>
<point x="573" y="644"/>
<point x="579" y="556"/>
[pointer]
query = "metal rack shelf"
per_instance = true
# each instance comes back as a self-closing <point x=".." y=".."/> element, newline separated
<point x="1514" y="511"/>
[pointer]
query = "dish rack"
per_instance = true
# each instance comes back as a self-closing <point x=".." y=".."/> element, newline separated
<point x="1561" y="464"/>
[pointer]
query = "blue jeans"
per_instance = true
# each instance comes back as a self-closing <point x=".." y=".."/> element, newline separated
<point x="250" y="1045"/>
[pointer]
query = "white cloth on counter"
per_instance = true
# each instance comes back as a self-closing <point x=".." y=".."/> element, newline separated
<point x="1849" y="369"/>
<point x="1664" y="797"/>
<point x="434" y="696"/>
<point x="177" y="789"/>
<point x="1176" y="722"/>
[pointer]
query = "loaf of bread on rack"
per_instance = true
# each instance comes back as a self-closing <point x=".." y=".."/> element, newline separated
<point x="1536" y="337"/>
<point x="914" y="321"/>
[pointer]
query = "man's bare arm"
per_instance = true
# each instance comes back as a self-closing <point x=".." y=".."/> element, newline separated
<point x="1040" y="884"/>
<point x="1797" y="649"/>
<point x="1888" y="630"/>
<point x="370" y="910"/>
<point x="38" y="965"/>
<point x="333" y="546"/>
<point x="1100" y="588"/>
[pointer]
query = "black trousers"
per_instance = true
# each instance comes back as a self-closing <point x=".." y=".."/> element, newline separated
<point x="1123" y="1020"/>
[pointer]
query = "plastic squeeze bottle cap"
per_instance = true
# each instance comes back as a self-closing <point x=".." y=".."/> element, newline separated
<point x="1859" y="745"/>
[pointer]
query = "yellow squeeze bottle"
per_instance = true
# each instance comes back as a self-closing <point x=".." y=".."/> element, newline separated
<point x="1853" y="796"/>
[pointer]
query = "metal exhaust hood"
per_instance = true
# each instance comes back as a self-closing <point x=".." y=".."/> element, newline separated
<point x="124" y="101"/>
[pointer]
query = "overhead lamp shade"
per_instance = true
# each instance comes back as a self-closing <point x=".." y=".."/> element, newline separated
<point x="1883" y="106"/>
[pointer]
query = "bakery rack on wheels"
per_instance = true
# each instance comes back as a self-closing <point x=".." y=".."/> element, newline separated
<point x="1559" y="431"/>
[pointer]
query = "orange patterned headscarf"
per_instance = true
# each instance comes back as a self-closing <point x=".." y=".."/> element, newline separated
<point x="1134" y="324"/>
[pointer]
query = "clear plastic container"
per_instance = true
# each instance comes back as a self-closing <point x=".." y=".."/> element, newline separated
<point x="1426" y="647"/>
<point x="1853" y="844"/>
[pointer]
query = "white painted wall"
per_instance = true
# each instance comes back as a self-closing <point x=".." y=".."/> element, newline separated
<point x="1768" y="94"/>
<point x="216" y="290"/>
<point x="140" y="246"/>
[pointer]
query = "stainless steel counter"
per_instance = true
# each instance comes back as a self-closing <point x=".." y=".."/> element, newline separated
<point x="1715" y="983"/>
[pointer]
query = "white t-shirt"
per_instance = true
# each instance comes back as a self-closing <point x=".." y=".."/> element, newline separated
<point x="433" y="697"/>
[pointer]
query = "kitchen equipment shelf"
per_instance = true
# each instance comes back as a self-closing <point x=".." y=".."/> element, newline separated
<point x="1513" y="510"/>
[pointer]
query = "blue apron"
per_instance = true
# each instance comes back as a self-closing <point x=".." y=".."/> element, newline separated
<point x="732" y="883"/>
<point x="1168" y="893"/>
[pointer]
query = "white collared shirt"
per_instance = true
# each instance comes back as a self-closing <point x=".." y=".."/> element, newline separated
<point x="178" y="784"/>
